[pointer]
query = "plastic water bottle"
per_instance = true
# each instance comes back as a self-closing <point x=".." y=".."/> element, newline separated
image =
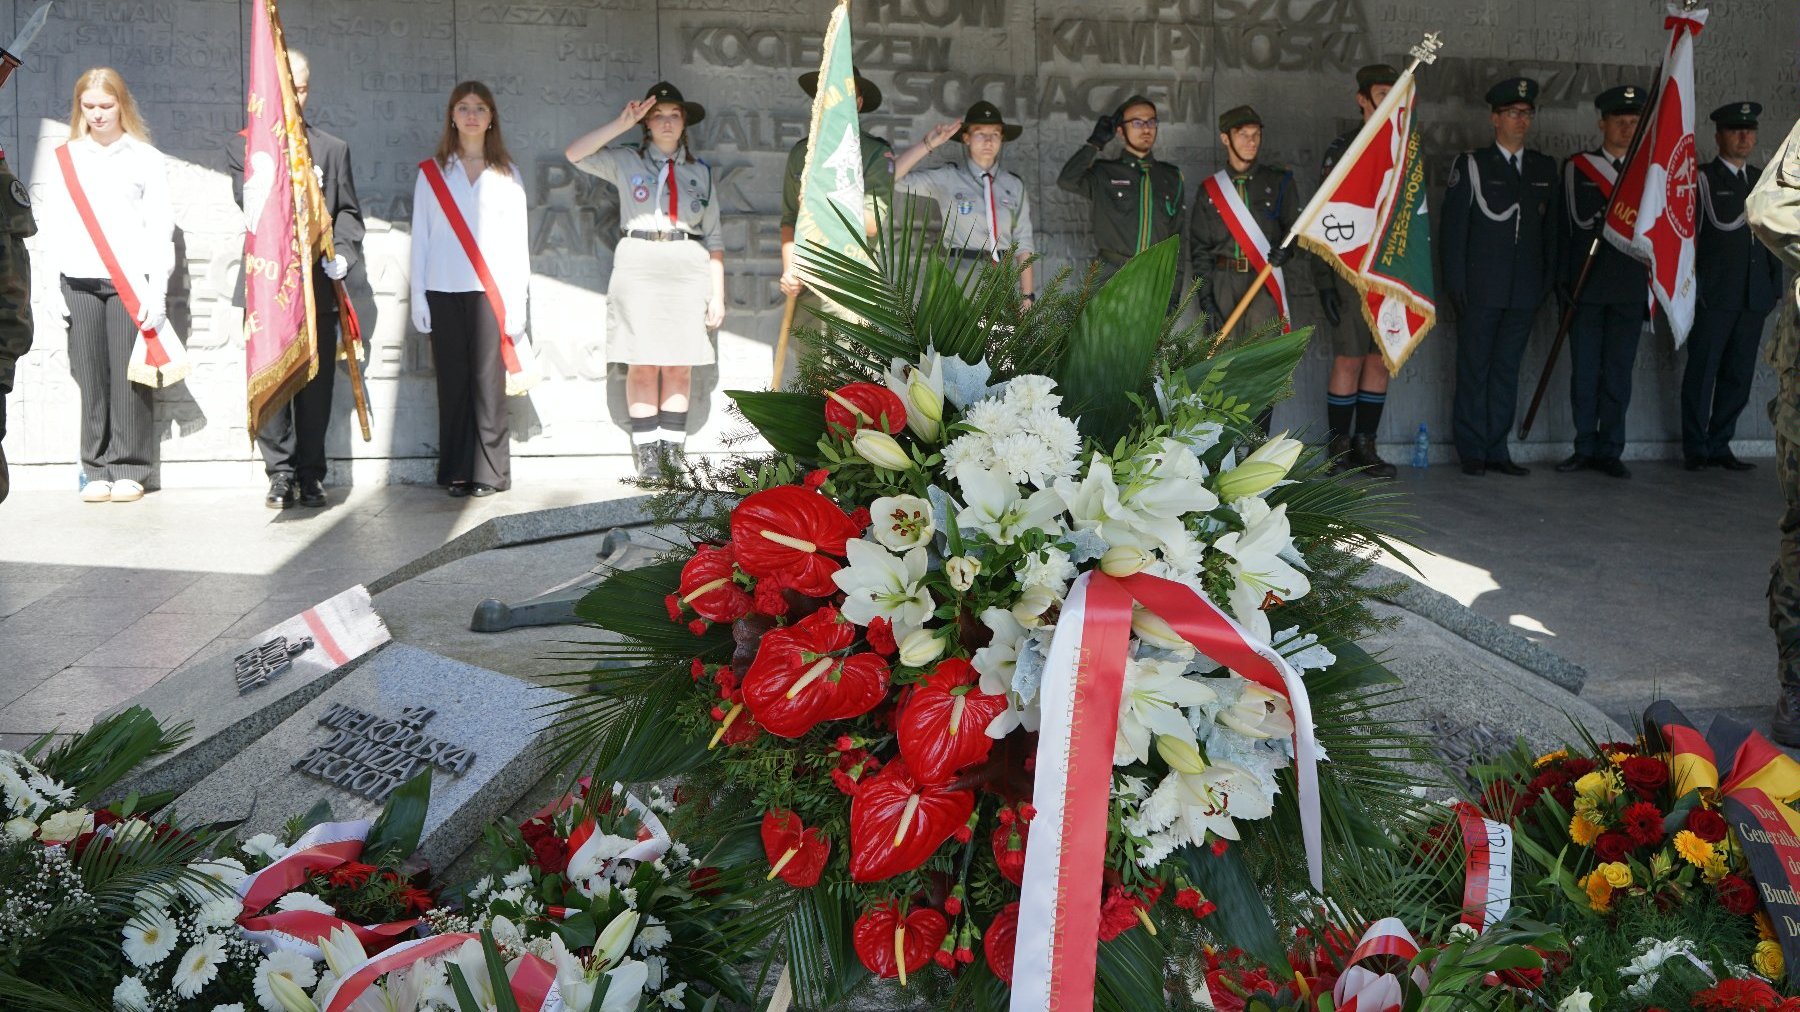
<point x="81" y="480"/>
<point x="1422" y="448"/>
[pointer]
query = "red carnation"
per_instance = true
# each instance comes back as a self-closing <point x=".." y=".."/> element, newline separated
<point x="1118" y="913"/>
<point x="1707" y="824"/>
<point x="880" y="634"/>
<point x="1643" y="822"/>
<point x="708" y="585"/>
<point x="767" y="599"/>
<point x="1736" y="895"/>
<point x="1008" y="843"/>
<point x="1612" y="846"/>
<point x="998" y="941"/>
<point x="787" y="534"/>
<point x="1737" y="994"/>
<point x="863" y="406"/>
<point x="1188" y="899"/>
<point x="1644" y="775"/>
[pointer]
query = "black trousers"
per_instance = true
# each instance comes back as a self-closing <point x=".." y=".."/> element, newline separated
<point x="292" y="441"/>
<point x="1489" y="346"/>
<point x="1715" y="386"/>
<point x="1603" y="342"/>
<point x="118" y="417"/>
<point x="473" y="438"/>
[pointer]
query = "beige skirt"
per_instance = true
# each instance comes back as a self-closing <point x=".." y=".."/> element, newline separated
<point x="656" y="304"/>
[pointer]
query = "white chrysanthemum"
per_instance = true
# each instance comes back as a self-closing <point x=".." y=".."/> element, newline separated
<point x="130" y="995"/>
<point x="1059" y="434"/>
<point x="199" y="965"/>
<point x="674" y="997"/>
<point x="236" y="1006"/>
<point x="219" y="912"/>
<point x="656" y="969"/>
<point x="1030" y="460"/>
<point x="51" y="789"/>
<point x="265" y="845"/>
<point x="1031" y="392"/>
<point x="517" y="877"/>
<point x="651" y="937"/>
<point x="1048" y="567"/>
<point x="282" y="963"/>
<point x="481" y="886"/>
<point x="304" y="901"/>
<point x="991" y="417"/>
<point x="150" y="937"/>
<point x="969" y="450"/>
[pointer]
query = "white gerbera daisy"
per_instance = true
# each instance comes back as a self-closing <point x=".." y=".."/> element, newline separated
<point x="304" y="901"/>
<point x="282" y="963"/>
<point x="264" y="845"/>
<point x="199" y="965"/>
<point x="150" y="937"/>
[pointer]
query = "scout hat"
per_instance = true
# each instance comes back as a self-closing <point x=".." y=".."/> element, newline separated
<point x="663" y="91"/>
<point x="1737" y="115"/>
<point x="1375" y="74"/>
<point x="987" y="114"/>
<point x="1242" y="115"/>
<point x="871" y="95"/>
<point x="1512" y="91"/>
<point x="1626" y="98"/>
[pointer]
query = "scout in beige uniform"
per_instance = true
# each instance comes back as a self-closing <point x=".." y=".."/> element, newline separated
<point x="986" y="209"/>
<point x="668" y="279"/>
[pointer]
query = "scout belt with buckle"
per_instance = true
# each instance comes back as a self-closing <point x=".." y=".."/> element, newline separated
<point x="637" y="233"/>
<point x="1239" y="264"/>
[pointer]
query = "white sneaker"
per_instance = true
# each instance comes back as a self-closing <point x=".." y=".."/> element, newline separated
<point x="126" y="490"/>
<point x="97" y="491"/>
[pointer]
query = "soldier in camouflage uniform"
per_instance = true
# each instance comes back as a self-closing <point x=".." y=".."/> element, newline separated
<point x="16" y="224"/>
<point x="1774" y="213"/>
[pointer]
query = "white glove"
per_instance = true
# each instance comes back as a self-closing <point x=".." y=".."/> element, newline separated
<point x="515" y="331"/>
<point x="421" y="314"/>
<point x="337" y="268"/>
<point x="152" y="314"/>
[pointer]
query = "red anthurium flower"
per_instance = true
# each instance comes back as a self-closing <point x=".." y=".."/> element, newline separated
<point x="707" y="586"/>
<point x="943" y="726"/>
<point x="786" y="534"/>
<point x="897" y="822"/>
<point x="1009" y="852"/>
<point x="796" y="853"/>
<point x="881" y="933"/>
<point x="864" y="406"/>
<point x="797" y="679"/>
<point x="999" y="940"/>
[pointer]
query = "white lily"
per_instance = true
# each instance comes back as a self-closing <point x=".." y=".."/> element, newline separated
<point x="962" y="571"/>
<point x="921" y="647"/>
<point x="1095" y="505"/>
<point x="921" y="388"/>
<point x="995" y="507"/>
<point x="1151" y="703"/>
<point x="343" y="951"/>
<point x="615" y="938"/>
<point x="1029" y="609"/>
<point x="1257" y="566"/>
<point x="1258" y="713"/>
<point x="997" y="663"/>
<point x="1261" y="470"/>
<point x="472" y="961"/>
<point x="1209" y="801"/>
<point x="1175" y="485"/>
<point x="880" y="584"/>
<point x="901" y="522"/>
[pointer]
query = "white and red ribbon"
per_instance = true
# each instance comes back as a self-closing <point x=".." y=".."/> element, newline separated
<point x="1084" y="675"/>
<point x="1487" y="867"/>
<point x="1369" y="982"/>
<point x="1242" y="225"/>
<point x="320" y="849"/>
<point x="532" y="980"/>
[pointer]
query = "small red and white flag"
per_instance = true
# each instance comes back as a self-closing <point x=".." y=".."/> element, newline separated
<point x="1651" y="216"/>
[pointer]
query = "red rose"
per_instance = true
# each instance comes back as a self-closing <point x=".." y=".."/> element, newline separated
<point x="1643" y="822"/>
<point x="1612" y="846"/>
<point x="550" y="855"/>
<point x="1736" y="895"/>
<point x="705" y="881"/>
<point x="1645" y="775"/>
<point x="1578" y="766"/>
<point x="1707" y="824"/>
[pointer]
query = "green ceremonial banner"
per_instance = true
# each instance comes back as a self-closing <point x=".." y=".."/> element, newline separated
<point x="831" y="185"/>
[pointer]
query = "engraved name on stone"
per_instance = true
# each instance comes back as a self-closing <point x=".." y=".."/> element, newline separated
<point x="254" y="667"/>
<point x="371" y="755"/>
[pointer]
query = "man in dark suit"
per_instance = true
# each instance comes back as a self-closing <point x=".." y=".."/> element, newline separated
<point x="1740" y="281"/>
<point x="1609" y="315"/>
<point x="292" y="442"/>
<point x="1499" y="252"/>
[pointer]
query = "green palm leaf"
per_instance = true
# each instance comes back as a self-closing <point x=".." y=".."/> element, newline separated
<point x="1114" y="342"/>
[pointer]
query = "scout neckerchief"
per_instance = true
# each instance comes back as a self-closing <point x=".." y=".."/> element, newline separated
<point x="158" y="358"/>
<point x="519" y="376"/>
<point x="1250" y="238"/>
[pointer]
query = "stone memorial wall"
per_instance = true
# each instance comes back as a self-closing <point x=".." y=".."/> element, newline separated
<point x="382" y="70"/>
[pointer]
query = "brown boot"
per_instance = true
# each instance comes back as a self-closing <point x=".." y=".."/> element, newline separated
<point x="1363" y="455"/>
<point x="1786" y="728"/>
<point x="1339" y="452"/>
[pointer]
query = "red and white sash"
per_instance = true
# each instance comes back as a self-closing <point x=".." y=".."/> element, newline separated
<point x="1249" y="236"/>
<point x="521" y="369"/>
<point x="158" y="358"/>
<point x="1599" y="170"/>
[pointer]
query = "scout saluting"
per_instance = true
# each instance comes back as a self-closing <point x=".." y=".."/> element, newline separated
<point x="668" y="279"/>
<point x="1136" y="200"/>
<point x="986" y="207"/>
<point x="471" y="264"/>
<point x="111" y="237"/>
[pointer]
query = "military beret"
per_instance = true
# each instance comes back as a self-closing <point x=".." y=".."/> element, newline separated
<point x="1512" y="91"/>
<point x="1239" y="116"/>
<point x="1375" y="74"/>
<point x="1626" y="98"/>
<point x="1737" y="115"/>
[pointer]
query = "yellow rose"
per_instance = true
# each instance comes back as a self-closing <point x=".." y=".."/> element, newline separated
<point x="1601" y="786"/>
<point x="65" y="826"/>
<point x="1599" y="891"/>
<point x="1583" y="831"/>
<point x="1768" y="961"/>
<point x="1618" y="873"/>
<point x="1692" y="849"/>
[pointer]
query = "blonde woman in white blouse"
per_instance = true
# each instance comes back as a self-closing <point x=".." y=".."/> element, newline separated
<point x="451" y="301"/>
<point x="126" y="184"/>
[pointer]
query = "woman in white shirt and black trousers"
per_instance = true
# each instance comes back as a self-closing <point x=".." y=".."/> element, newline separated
<point x="125" y="187"/>
<point x="668" y="278"/>
<point x="471" y="302"/>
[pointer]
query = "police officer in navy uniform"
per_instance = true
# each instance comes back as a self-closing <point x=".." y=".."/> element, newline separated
<point x="1740" y="282"/>
<point x="1609" y="315"/>
<point x="1499" y="241"/>
<point x="1137" y="200"/>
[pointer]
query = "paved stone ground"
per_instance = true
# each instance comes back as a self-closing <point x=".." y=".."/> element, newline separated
<point x="1654" y="585"/>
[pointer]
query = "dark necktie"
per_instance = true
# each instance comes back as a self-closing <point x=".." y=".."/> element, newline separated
<point x="1143" y="242"/>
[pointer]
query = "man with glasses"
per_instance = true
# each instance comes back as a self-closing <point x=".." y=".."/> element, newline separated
<point x="1137" y="201"/>
<point x="1499" y="251"/>
<point x="1609" y="316"/>
<point x="1740" y="281"/>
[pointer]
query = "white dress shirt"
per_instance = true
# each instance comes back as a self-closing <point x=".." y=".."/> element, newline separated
<point x="127" y="184"/>
<point x="494" y="208"/>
